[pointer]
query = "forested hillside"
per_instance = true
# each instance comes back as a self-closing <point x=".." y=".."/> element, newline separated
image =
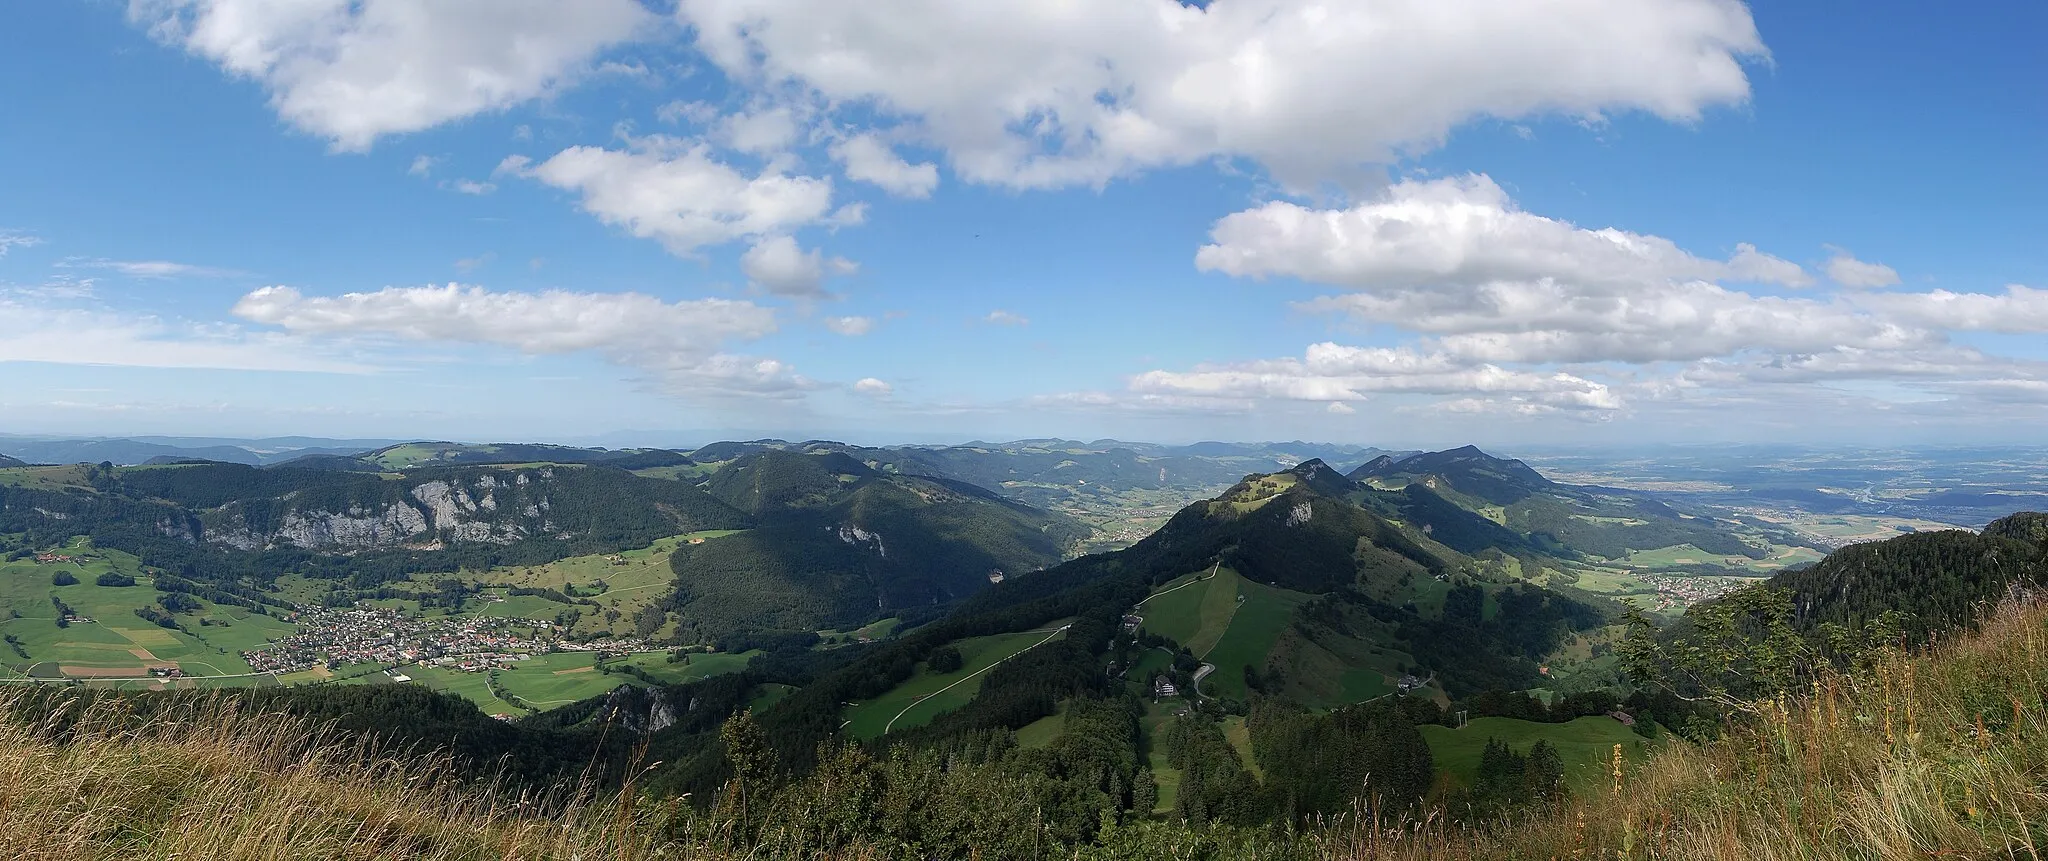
<point x="1292" y="533"/>
<point x="239" y="527"/>
<point x="1934" y="580"/>
<point x="1591" y="522"/>
<point x="840" y="544"/>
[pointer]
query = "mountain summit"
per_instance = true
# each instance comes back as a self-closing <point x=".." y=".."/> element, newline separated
<point x="1467" y="470"/>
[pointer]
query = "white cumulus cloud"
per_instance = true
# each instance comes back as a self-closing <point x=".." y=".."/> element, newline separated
<point x="352" y="71"/>
<point x="852" y="327"/>
<point x="873" y="387"/>
<point x="34" y="331"/>
<point x="1458" y="232"/>
<point x="1340" y="373"/>
<point x="780" y="266"/>
<point x="1846" y="270"/>
<point x="679" y="194"/>
<point x="1001" y="317"/>
<point x="12" y="239"/>
<point x="1033" y="94"/>
<point x="867" y="159"/>
<point x="2019" y="310"/>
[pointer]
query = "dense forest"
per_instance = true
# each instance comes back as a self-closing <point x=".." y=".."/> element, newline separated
<point x="840" y="543"/>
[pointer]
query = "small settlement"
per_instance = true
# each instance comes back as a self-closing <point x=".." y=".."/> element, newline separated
<point x="365" y="634"/>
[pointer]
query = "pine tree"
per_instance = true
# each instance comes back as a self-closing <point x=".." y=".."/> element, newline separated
<point x="1544" y="774"/>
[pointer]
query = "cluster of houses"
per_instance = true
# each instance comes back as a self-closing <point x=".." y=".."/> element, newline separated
<point x="51" y="558"/>
<point x="332" y="638"/>
<point x="366" y="634"/>
<point x="1678" y="593"/>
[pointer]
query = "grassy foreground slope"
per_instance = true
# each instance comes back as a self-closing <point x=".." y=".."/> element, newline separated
<point x="1939" y="754"/>
<point x="1935" y="755"/>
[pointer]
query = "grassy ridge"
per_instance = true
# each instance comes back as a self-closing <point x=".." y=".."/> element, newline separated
<point x="1934" y="755"/>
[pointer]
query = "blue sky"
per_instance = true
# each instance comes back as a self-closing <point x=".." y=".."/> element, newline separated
<point x="1404" y="223"/>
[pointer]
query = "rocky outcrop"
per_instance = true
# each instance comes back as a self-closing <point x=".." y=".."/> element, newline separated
<point x="356" y="529"/>
<point x="638" y="710"/>
<point x="858" y="536"/>
<point x="179" y="527"/>
<point x="485" y="509"/>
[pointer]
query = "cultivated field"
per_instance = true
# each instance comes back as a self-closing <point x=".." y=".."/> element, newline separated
<point x="106" y="639"/>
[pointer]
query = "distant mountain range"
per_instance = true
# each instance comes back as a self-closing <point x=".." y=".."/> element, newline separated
<point x="131" y="451"/>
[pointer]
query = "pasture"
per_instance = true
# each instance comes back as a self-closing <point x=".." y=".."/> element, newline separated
<point x="627" y="581"/>
<point x="1041" y="732"/>
<point x="1586" y="745"/>
<point x="1222" y="619"/>
<point x="475" y="687"/>
<point x="702" y="665"/>
<point x="106" y="639"/>
<point x="770" y="693"/>
<point x="926" y="695"/>
<point x="1165" y="777"/>
<point x="1193" y="610"/>
<point x="1252" y="633"/>
<point x="44" y="477"/>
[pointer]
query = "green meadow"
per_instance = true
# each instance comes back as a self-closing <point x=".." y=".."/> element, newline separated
<point x="627" y="581"/>
<point x="1253" y="632"/>
<point x="919" y="698"/>
<point x="1586" y="746"/>
<point x="1224" y="620"/>
<point x="108" y="640"/>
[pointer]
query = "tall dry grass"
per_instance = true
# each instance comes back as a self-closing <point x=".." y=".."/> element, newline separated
<point x="1941" y="754"/>
<point x="208" y="780"/>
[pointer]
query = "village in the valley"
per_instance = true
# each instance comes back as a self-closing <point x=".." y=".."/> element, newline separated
<point x="333" y="638"/>
<point x="1675" y="592"/>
